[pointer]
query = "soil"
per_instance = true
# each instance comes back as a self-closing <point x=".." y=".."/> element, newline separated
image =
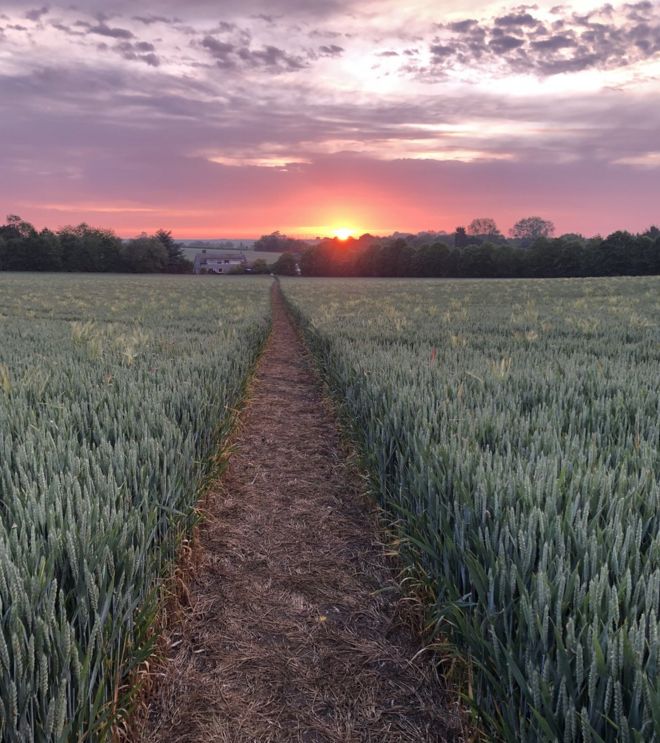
<point x="292" y="628"/>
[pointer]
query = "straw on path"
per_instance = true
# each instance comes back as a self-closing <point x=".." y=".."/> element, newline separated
<point x="293" y="630"/>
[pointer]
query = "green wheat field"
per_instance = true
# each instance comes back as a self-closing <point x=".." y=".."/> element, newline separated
<point x="511" y="429"/>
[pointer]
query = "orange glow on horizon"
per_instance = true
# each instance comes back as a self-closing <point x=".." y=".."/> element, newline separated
<point x="343" y="233"/>
<point x="320" y="210"/>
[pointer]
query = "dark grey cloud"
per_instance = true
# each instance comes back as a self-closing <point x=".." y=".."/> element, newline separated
<point x="36" y="14"/>
<point x="505" y="43"/>
<point x="520" y="42"/>
<point x="150" y="20"/>
<point x="576" y="63"/>
<point x="67" y="29"/>
<point x="140" y="51"/>
<point x="231" y="56"/>
<point x="102" y="29"/>
<point x="222" y="51"/>
<point x="271" y="57"/>
<point x="553" y="43"/>
<point x="462" y="26"/>
<point x="127" y="46"/>
<point x="325" y="34"/>
<point x="223" y="27"/>
<point x="331" y="50"/>
<point x="638" y="11"/>
<point x="516" y="19"/>
<point x="441" y="52"/>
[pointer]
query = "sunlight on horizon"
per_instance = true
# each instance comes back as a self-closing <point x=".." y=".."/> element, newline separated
<point x="343" y="233"/>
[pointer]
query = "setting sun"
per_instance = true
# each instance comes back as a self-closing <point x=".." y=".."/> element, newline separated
<point x="343" y="233"/>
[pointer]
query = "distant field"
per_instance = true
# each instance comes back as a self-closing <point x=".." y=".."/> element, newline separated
<point x="114" y="391"/>
<point x="251" y="255"/>
<point x="512" y="429"/>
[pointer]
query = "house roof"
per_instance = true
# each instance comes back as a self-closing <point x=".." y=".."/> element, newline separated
<point x="220" y="255"/>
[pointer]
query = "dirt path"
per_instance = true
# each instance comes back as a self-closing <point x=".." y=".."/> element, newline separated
<point x="286" y="638"/>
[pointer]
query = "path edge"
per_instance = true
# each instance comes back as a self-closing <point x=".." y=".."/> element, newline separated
<point x="452" y="667"/>
<point x="172" y="591"/>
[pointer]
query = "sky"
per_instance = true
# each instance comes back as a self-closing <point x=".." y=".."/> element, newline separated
<point x="233" y="118"/>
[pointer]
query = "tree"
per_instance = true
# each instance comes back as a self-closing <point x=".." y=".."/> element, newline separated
<point x="532" y="228"/>
<point x="645" y="256"/>
<point x="616" y="253"/>
<point x="19" y="239"/>
<point x="84" y="248"/>
<point x="460" y="238"/>
<point x="145" y="254"/>
<point x="276" y="242"/>
<point x="568" y="258"/>
<point x="260" y="266"/>
<point x="46" y="252"/>
<point x="16" y="228"/>
<point x="477" y="261"/>
<point x="394" y="259"/>
<point x="509" y="261"/>
<point x="285" y="265"/>
<point x="432" y="260"/>
<point x="366" y="262"/>
<point x="176" y="260"/>
<point x="483" y="227"/>
<point x="318" y="260"/>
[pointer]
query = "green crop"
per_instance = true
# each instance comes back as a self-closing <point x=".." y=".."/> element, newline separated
<point x="513" y="430"/>
<point x="114" y="392"/>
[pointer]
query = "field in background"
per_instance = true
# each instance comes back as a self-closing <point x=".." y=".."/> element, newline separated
<point x="512" y="427"/>
<point x="114" y="392"/>
<point x="251" y="255"/>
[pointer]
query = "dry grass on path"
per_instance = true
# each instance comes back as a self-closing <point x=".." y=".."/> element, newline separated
<point x="293" y="631"/>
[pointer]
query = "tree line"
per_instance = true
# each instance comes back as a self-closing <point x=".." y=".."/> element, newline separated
<point x="85" y="248"/>
<point x="529" y="252"/>
<point x="479" y="250"/>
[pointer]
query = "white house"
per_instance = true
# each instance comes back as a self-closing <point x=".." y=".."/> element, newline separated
<point x="218" y="262"/>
